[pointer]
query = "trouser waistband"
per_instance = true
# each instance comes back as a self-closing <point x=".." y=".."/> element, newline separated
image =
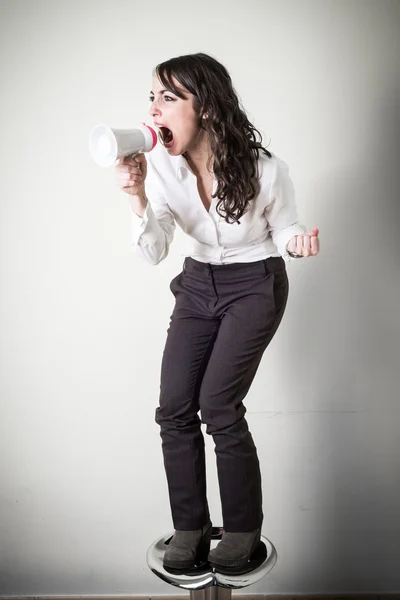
<point x="266" y="265"/>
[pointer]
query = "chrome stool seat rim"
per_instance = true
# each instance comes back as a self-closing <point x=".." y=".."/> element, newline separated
<point x="207" y="576"/>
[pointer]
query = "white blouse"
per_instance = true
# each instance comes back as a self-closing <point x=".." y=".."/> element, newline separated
<point x="173" y="197"/>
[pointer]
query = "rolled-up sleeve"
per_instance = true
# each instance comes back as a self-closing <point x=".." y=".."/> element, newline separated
<point x="153" y="233"/>
<point x="281" y="210"/>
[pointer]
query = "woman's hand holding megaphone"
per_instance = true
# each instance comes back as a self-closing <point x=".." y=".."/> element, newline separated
<point x="107" y="145"/>
<point x="131" y="174"/>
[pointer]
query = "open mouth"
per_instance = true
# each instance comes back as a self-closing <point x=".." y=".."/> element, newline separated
<point x="165" y="136"/>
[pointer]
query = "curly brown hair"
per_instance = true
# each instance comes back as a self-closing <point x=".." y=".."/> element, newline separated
<point x="234" y="146"/>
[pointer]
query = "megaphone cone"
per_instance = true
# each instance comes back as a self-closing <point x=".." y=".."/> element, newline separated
<point x="106" y="144"/>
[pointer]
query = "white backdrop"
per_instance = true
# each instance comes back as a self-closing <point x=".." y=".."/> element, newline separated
<point x="83" y="319"/>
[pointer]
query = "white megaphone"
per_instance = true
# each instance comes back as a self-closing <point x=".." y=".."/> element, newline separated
<point x="106" y="145"/>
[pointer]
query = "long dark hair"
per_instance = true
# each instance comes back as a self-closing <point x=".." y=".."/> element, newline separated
<point x="233" y="141"/>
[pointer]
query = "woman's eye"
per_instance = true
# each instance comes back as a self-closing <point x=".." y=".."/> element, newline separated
<point x="151" y="98"/>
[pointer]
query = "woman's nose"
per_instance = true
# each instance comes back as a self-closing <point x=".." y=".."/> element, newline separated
<point x="154" y="110"/>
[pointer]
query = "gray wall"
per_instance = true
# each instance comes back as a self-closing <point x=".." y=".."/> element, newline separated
<point x="83" y="320"/>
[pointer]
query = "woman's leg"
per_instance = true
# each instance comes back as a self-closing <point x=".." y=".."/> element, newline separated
<point x="248" y="324"/>
<point x="189" y="343"/>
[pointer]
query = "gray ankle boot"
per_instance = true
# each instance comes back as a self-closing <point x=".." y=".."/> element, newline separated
<point x="188" y="549"/>
<point x="235" y="549"/>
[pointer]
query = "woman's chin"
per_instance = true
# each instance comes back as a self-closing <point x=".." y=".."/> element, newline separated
<point x="173" y="149"/>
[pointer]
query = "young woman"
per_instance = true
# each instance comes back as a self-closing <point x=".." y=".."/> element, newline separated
<point x="235" y="201"/>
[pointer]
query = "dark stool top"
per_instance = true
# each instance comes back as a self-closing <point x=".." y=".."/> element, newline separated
<point x="200" y="578"/>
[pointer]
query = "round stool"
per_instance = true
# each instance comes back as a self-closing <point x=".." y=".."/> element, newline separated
<point x="204" y="582"/>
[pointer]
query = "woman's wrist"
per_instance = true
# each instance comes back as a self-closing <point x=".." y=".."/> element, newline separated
<point x="138" y="204"/>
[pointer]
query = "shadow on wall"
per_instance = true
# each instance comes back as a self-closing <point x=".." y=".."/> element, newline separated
<point x="339" y="412"/>
<point x="352" y="364"/>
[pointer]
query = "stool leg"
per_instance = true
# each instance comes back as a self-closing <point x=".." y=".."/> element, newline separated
<point x="214" y="592"/>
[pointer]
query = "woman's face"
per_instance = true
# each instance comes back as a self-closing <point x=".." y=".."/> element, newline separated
<point x="178" y="116"/>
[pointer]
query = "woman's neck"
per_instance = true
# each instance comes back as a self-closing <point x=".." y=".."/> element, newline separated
<point x="198" y="158"/>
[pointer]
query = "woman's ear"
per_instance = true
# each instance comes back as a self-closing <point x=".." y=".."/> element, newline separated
<point x="205" y="116"/>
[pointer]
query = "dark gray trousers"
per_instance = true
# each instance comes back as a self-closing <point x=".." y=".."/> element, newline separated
<point x="223" y="320"/>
